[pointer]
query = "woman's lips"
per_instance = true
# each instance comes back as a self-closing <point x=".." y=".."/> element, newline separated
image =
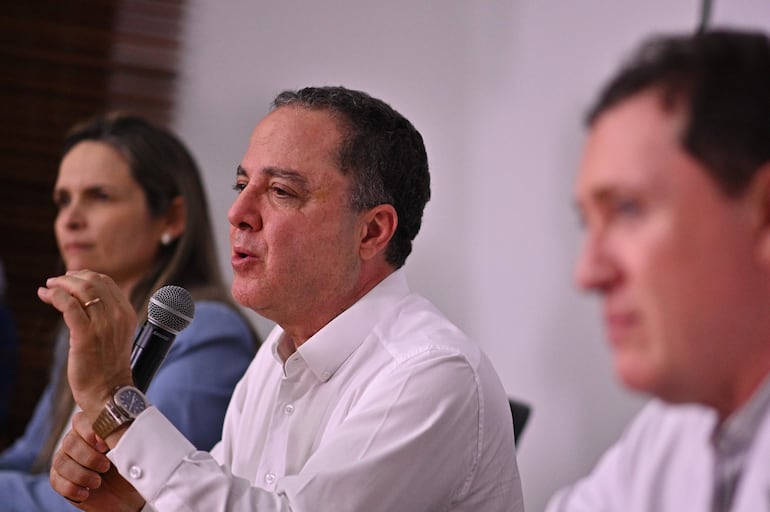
<point x="76" y="247"/>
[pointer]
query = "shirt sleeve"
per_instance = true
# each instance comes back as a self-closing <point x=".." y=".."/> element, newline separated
<point x="172" y="475"/>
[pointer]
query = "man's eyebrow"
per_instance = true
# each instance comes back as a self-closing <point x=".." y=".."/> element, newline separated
<point x="601" y="197"/>
<point x="288" y="174"/>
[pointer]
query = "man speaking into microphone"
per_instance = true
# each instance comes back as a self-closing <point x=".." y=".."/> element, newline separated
<point x="364" y="397"/>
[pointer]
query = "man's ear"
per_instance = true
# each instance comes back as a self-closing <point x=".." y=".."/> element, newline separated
<point x="378" y="225"/>
<point x="176" y="219"/>
<point x="760" y="191"/>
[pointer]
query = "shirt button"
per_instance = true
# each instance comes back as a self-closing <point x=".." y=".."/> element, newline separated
<point x="288" y="410"/>
<point x="135" y="472"/>
<point x="269" y="478"/>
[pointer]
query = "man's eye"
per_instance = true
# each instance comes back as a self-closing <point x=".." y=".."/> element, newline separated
<point x="627" y="207"/>
<point x="281" y="192"/>
<point x="239" y="186"/>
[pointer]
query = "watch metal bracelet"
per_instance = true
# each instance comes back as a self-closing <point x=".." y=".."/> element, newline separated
<point x="109" y="419"/>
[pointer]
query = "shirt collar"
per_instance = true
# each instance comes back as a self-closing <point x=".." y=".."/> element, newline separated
<point x="326" y="350"/>
<point x="740" y="428"/>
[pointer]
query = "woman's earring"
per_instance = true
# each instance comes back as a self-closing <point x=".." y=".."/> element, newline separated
<point x="165" y="238"/>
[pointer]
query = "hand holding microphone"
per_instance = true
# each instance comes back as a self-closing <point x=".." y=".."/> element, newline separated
<point x="169" y="311"/>
<point x="100" y="355"/>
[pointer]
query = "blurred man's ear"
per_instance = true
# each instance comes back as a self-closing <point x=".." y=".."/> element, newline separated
<point x="760" y="192"/>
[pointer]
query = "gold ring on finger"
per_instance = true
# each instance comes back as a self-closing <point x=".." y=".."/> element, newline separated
<point x="92" y="302"/>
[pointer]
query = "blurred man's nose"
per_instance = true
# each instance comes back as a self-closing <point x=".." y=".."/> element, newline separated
<point x="594" y="270"/>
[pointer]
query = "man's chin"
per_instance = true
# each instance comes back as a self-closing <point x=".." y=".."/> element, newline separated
<point x="241" y="293"/>
<point x="634" y="376"/>
<point x="248" y="296"/>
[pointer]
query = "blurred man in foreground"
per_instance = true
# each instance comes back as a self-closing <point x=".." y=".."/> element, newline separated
<point x="674" y="191"/>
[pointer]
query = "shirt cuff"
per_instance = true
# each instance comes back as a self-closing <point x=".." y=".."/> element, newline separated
<point x="149" y="451"/>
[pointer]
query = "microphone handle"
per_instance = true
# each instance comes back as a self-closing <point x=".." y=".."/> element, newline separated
<point x="150" y="348"/>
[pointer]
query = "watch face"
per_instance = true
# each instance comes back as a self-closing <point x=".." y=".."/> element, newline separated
<point x="131" y="400"/>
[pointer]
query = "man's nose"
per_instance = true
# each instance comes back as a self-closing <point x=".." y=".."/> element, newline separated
<point x="244" y="213"/>
<point x="594" y="269"/>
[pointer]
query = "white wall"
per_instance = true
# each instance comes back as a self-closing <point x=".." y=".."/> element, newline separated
<point x="498" y="90"/>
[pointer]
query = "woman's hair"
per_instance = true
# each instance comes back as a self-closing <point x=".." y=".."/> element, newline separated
<point x="165" y="170"/>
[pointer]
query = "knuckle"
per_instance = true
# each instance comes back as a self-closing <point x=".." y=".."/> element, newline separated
<point x="64" y="486"/>
<point x="56" y="461"/>
<point x="92" y="460"/>
<point x="80" y="422"/>
<point x="68" y="441"/>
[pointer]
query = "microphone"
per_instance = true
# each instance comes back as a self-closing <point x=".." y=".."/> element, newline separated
<point x="170" y="310"/>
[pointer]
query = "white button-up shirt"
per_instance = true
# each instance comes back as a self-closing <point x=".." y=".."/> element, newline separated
<point x="672" y="459"/>
<point x="389" y="407"/>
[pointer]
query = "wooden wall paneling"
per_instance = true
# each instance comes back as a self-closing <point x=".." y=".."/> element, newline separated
<point x="62" y="61"/>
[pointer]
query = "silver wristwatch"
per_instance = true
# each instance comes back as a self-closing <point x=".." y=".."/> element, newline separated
<point x="126" y="404"/>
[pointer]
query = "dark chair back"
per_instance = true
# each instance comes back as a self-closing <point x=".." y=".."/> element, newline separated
<point x="520" y="412"/>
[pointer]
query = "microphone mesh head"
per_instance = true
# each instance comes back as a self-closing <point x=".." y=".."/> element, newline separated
<point x="171" y="308"/>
